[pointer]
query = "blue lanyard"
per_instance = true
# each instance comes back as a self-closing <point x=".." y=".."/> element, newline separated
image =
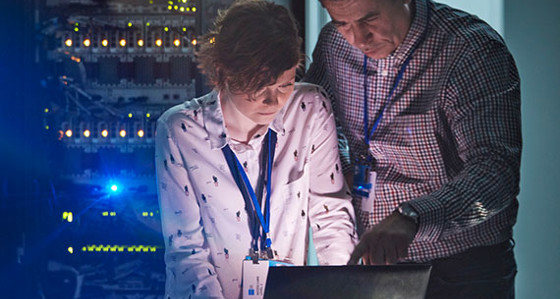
<point x="367" y="137"/>
<point x="251" y="200"/>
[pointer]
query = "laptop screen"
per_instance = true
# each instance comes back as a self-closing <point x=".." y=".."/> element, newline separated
<point x="395" y="281"/>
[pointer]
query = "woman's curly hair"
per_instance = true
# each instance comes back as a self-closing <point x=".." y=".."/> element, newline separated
<point x="251" y="45"/>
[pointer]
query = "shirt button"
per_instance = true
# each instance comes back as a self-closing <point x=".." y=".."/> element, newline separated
<point x="385" y="72"/>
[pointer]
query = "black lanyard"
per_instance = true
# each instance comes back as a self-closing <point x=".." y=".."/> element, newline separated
<point x="252" y="202"/>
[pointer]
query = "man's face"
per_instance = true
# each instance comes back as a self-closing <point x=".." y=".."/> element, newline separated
<point x="376" y="27"/>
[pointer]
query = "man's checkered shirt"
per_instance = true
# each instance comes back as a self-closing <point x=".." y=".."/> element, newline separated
<point x="449" y="141"/>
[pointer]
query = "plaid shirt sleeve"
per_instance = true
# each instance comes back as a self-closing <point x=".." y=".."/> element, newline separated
<point x="482" y="104"/>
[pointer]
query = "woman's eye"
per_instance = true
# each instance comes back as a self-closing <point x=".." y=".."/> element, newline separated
<point x="285" y="87"/>
<point x="258" y="93"/>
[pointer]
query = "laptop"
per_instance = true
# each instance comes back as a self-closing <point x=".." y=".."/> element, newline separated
<point x="408" y="281"/>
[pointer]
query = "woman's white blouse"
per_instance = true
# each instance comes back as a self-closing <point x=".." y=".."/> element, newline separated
<point x="204" y="221"/>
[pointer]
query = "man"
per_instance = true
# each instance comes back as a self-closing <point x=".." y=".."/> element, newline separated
<point x="428" y="98"/>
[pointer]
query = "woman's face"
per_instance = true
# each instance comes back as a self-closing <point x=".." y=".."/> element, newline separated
<point x="262" y="106"/>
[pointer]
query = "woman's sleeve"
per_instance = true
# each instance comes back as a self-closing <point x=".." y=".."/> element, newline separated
<point x="331" y="213"/>
<point x="189" y="269"/>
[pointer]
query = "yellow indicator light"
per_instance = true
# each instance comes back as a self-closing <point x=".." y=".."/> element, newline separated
<point x="68" y="43"/>
<point x="170" y="7"/>
<point x="140" y="133"/>
<point x="87" y="42"/>
<point x="87" y="133"/>
<point x="64" y="215"/>
<point x="104" y="133"/>
<point x="70" y="217"/>
<point x="181" y="9"/>
<point x="105" y="43"/>
<point x="170" y="2"/>
<point x="76" y="29"/>
<point x="84" y="248"/>
<point x="122" y="133"/>
<point x="151" y="214"/>
<point x="46" y="110"/>
<point x="185" y="29"/>
<point x="113" y="214"/>
<point x="145" y="214"/>
<point x="152" y="249"/>
<point x="130" y="115"/>
<point x="158" y="42"/>
<point x="122" y="42"/>
<point x="177" y="42"/>
<point x="212" y="40"/>
<point x="129" y="24"/>
<point x="71" y="250"/>
<point x="194" y="9"/>
<point x="68" y="133"/>
<point x="194" y="42"/>
<point x="140" y="43"/>
<point x="148" y="24"/>
<point x="113" y="248"/>
<point x="130" y="249"/>
<point x="47" y="127"/>
<point x="188" y="9"/>
<point x="120" y="248"/>
<point x="148" y="115"/>
<point x="105" y="213"/>
<point x="166" y="29"/>
<point x="176" y="7"/>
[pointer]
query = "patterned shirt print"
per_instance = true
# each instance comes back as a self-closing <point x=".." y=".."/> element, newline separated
<point x="204" y="220"/>
<point x="449" y="141"/>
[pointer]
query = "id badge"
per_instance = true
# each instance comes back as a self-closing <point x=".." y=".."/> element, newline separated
<point x="362" y="185"/>
<point x="367" y="202"/>
<point x="254" y="278"/>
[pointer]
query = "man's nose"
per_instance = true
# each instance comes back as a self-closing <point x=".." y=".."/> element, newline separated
<point x="361" y="35"/>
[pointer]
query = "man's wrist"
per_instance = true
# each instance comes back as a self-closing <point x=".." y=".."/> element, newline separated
<point x="408" y="211"/>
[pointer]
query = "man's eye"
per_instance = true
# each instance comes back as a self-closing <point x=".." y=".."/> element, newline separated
<point x="340" y="25"/>
<point x="371" y="19"/>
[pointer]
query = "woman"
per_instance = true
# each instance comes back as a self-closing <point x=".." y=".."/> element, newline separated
<point x="256" y="131"/>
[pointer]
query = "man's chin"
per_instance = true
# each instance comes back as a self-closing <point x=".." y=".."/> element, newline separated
<point x="378" y="53"/>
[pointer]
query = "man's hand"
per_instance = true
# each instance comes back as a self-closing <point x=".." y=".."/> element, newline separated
<point x="387" y="242"/>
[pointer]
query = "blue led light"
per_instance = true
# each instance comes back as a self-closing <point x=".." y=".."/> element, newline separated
<point x="114" y="187"/>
